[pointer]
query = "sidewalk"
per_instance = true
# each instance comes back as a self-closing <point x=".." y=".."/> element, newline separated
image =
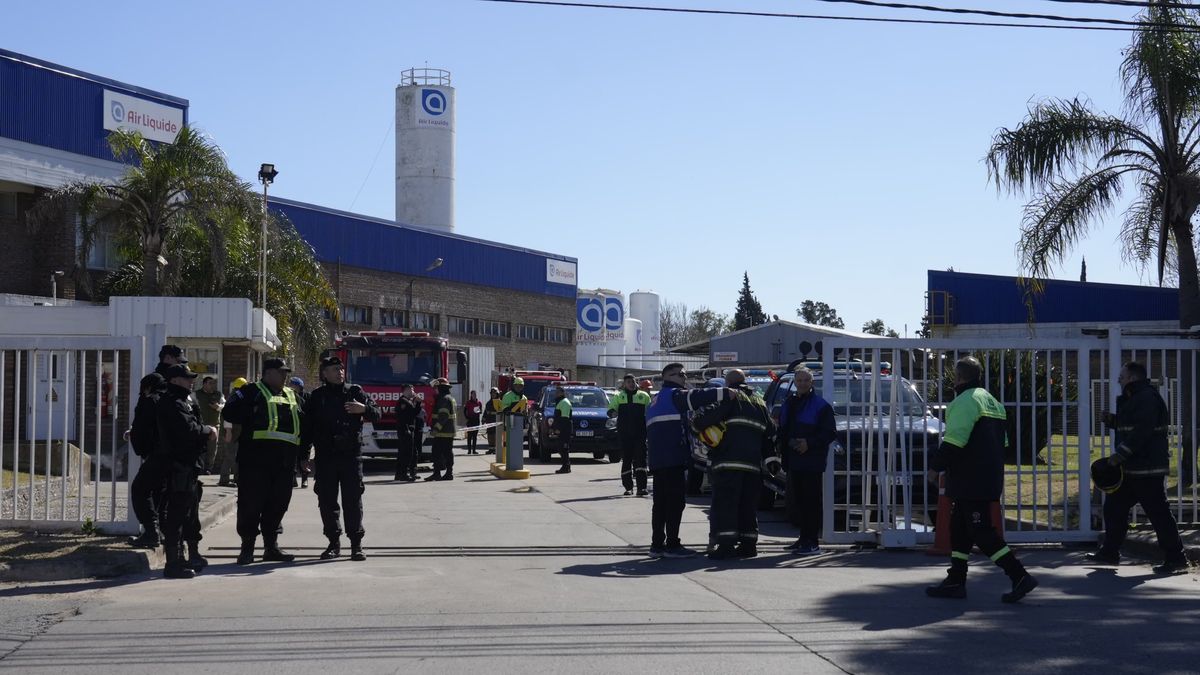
<point x="30" y="556"/>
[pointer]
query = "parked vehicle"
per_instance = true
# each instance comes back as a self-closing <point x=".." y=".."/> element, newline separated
<point x="593" y="432"/>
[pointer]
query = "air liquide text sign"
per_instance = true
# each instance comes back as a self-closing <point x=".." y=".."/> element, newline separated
<point x="156" y="122"/>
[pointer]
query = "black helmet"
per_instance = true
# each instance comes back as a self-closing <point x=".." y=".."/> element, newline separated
<point x="1106" y="476"/>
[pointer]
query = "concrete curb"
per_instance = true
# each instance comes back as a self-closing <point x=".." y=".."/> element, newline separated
<point x="105" y="562"/>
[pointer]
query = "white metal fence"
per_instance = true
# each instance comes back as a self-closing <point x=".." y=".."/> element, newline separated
<point x="65" y="404"/>
<point x="890" y="398"/>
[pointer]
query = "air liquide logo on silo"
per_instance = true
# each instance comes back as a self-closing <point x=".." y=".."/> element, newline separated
<point x="434" y="106"/>
<point x="589" y="315"/>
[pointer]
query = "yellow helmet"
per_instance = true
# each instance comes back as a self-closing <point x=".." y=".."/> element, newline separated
<point x="237" y="384"/>
<point x="711" y="436"/>
<point x="518" y="382"/>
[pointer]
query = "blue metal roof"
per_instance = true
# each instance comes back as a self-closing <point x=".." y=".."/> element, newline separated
<point x="378" y="244"/>
<point x="58" y="107"/>
<point x="991" y="299"/>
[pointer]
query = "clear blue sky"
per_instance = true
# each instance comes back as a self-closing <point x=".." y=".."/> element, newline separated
<point x="833" y="161"/>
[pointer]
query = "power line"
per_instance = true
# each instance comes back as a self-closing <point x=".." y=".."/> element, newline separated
<point x="986" y="12"/>
<point x="1132" y="25"/>
<point x="1143" y="4"/>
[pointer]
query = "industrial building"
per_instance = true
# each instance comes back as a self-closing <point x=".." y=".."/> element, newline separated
<point x="412" y="274"/>
<point x="959" y="304"/>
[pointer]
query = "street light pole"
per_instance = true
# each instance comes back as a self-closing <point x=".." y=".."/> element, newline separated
<point x="266" y="175"/>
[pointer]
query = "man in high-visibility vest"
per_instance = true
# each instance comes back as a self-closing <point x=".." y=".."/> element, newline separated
<point x="629" y="407"/>
<point x="560" y="428"/>
<point x="272" y="422"/>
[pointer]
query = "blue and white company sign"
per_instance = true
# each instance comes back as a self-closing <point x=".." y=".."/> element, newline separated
<point x="561" y="272"/>
<point x="434" y="111"/>
<point x="155" y="121"/>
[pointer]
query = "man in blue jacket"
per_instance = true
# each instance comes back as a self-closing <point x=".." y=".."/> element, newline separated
<point x="668" y="455"/>
<point x="806" y="429"/>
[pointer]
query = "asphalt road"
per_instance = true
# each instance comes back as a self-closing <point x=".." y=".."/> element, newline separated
<point x="549" y="576"/>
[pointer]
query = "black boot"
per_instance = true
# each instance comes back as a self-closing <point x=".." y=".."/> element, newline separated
<point x="272" y="552"/>
<point x="1022" y="582"/>
<point x="246" y="556"/>
<point x="356" y="551"/>
<point x="722" y="552"/>
<point x="746" y="551"/>
<point x="449" y="475"/>
<point x="950" y="587"/>
<point x="565" y="468"/>
<point x="195" y="561"/>
<point x="436" y="475"/>
<point x="175" y="569"/>
<point x="145" y="540"/>
<point x="334" y="549"/>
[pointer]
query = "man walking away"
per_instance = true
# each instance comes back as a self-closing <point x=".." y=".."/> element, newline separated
<point x="489" y="417"/>
<point x="736" y="463"/>
<point x="472" y="412"/>
<point x="408" y="416"/>
<point x="806" y="429"/>
<point x="629" y="407"/>
<point x="560" y="428"/>
<point x="444" y="413"/>
<point x="668" y="454"/>
<point x="149" y="485"/>
<point x="182" y="438"/>
<point x="1143" y="454"/>
<point x="336" y="411"/>
<point x="972" y="457"/>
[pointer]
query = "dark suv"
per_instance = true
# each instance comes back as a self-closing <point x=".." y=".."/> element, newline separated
<point x="871" y="441"/>
<point x="592" y="430"/>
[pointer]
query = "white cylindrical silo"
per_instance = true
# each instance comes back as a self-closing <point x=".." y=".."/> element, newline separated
<point x="645" y="307"/>
<point x="634" y="352"/>
<point x="590" y="338"/>
<point x="425" y="149"/>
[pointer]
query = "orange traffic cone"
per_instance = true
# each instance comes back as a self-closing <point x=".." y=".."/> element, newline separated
<point x="941" y="531"/>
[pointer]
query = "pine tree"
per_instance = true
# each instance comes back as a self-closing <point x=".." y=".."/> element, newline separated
<point x="749" y="311"/>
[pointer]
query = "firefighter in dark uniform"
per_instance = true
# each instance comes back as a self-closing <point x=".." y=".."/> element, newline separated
<point x="183" y="440"/>
<point x="629" y="407"/>
<point x="442" y="429"/>
<point x="972" y="456"/>
<point x="736" y="463"/>
<point x="272" y="424"/>
<point x="335" y="412"/>
<point x="409" y="417"/>
<point x="1144" y="456"/>
<point x="560" y="428"/>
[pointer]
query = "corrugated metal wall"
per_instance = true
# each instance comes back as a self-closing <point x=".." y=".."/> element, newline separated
<point x="56" y="107"/>
<point x="988" y="299"/>
<point x="376" y="244"/>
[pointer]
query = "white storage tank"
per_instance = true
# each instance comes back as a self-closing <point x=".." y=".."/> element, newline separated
<point x="590" y="337"/>
<point x="614" y="328"/>
<point x="634" y="352"/>
<point x="645" y="307"/>
<point x="425" y="149"/>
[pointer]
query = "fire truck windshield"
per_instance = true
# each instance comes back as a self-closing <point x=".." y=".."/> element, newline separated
<point x="394" y="366"/>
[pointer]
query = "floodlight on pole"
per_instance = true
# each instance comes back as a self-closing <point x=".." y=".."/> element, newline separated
<point x="266" y="176"/>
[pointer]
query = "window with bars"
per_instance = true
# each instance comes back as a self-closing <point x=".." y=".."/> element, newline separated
<point x="391" y="318"/>
<point x="560" y="335"/>
<point x="425" y="321"/>
<point x="496" y="329"/>
<point x="355" y="314"/>
<point x="462" y="325"/>
<point x="529" y="332"/>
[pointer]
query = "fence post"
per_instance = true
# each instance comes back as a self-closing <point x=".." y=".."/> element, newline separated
<point x="1084" y="437"/>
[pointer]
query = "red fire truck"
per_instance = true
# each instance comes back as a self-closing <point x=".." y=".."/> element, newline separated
<point x="381" y="362"/>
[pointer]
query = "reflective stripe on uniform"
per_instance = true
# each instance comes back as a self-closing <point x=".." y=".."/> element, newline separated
<point x="746" y="422"/>
<point x="272" y="433"/>
<point x="735" y="466"/>
<point x="1001" y="553"/>
<point x="663" y="418"/>
<point x="960" y="555"/>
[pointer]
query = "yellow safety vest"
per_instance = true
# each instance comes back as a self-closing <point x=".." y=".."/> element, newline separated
<point x="272" y="433"/>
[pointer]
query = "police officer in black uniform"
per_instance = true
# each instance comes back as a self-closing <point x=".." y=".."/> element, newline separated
<point x="335" y="412"/>
<point x="182" y="440"/>
<point x="272" y="423"/>
<point x="145" y="491"/>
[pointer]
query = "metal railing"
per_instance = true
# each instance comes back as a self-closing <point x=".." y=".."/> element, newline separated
<point x="425" y="77"/>
<point x="64" y="406"/>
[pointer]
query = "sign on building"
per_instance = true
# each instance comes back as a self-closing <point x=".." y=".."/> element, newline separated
<point x="561" y="272"/>
<point x="725" y="357"/>
<point x="156" y="122"/>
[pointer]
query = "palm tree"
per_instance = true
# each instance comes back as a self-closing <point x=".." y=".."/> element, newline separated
<point x="165" y="185"/>
<point x="1079" y="162"/>
<point x="298" y="294"/>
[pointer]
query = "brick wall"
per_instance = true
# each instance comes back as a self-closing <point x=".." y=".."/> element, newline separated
<point x="375" y="289"/>
<point x="27" y="259"/>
